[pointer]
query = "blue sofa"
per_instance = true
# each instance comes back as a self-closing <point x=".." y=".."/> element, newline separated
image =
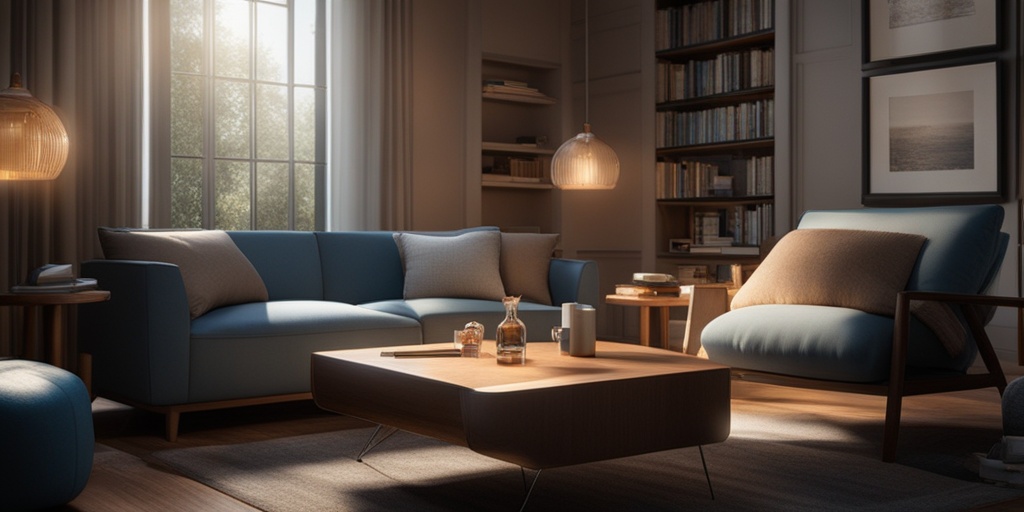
<point x="326" y="291"/>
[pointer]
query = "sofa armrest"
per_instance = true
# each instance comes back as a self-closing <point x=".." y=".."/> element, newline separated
<point x="573" y="281"/>
<point x="139" y="339"/>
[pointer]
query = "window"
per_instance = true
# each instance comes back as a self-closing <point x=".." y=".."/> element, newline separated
<point x="247" y="115"/>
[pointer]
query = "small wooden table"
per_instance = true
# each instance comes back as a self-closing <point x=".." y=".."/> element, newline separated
<point x="708" y="301"/>
<point x="52" y="306"/>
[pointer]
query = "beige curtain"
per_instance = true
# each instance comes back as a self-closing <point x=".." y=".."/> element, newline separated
<point x="370" y="124"/>
<point x="84" y="58"/>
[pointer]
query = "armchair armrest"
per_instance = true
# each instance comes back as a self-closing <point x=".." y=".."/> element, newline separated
<point x="970" y="305"/>
<point x="573" y="281"/>
<point x="139" y="339"/>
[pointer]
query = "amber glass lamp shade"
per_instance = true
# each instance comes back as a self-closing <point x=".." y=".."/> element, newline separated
<point x="33" y="141"/>
<point x="584" y="162"/>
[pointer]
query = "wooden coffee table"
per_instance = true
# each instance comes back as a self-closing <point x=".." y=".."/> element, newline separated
<point x="554" y="411"/>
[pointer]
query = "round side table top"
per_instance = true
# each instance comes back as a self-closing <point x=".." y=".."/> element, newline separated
<point x="53" y="299"/>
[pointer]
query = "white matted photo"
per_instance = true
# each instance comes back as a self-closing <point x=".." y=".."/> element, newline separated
<point x="906" y="28"/>
<point x="933" y="132"/>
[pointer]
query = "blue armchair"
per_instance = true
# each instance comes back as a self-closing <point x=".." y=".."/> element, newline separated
<point x="817" y="341"/>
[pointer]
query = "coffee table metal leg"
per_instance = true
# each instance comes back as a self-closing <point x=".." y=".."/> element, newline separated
<point x="529" y="489"/>
<point x="378" y="436"/>
<point x="706" y="474"/>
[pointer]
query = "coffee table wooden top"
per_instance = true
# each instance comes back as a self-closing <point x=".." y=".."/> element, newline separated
<point x="554" y="411"/>
<point x="544" y="368"/>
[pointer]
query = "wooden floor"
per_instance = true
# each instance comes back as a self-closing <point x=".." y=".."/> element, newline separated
<point x="127" y="478"/>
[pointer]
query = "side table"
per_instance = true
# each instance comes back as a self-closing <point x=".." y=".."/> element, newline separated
<point x="704" y="303"/>
<point x="52" y="306"/>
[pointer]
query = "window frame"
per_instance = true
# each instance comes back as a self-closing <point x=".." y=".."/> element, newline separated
<point x="160" y="155"/>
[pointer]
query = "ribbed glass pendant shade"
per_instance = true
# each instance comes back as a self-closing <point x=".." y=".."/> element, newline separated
<point x="584" y="162"/>
<point x="33" y="141"/>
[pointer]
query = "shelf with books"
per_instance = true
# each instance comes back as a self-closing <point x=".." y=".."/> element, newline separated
<point x="520" y="114"/>
<point x="716" y="100"/>
<point x="765" y="37"/>
<point x="714" y="131"/>
<point x="513" y="148"/>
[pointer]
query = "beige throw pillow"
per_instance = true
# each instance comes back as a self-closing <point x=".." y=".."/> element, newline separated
<point x="463" y="266"/>
<point x="525" y="264"/>
<point x="834" y="267"/>
<point x="214" y="270"/>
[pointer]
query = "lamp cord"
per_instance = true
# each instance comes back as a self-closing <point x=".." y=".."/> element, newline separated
<point x="586" y="62"/>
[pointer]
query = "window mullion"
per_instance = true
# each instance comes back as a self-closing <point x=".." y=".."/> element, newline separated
<point x="209" y="137"/>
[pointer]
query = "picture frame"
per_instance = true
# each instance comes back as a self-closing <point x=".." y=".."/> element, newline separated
<point x="934" y="136"/>
<point x="901" y="31"/>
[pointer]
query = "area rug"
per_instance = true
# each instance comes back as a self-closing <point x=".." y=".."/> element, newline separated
<point x="766" y="464"/>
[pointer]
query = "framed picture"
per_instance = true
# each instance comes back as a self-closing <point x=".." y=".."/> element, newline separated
<point x="933" y="137"/>
<point x="901" y="29"/>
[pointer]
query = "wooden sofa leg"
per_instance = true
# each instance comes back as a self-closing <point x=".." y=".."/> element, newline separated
<point x="171" y="419"/>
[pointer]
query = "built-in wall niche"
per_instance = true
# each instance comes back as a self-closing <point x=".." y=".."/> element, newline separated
<point x="520" y="131"/>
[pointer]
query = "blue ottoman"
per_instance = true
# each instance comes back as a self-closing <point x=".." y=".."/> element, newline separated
<point x="46" y="435"/>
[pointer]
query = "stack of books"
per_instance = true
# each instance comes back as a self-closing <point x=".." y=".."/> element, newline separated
<point x="54" y="278"/>
<point x="513" y="89"/>
<point x="650" y="285"/>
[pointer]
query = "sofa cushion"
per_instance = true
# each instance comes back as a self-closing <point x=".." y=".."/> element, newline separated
<point x="262" y="349"/>
<point x="288" y="262"/>
<point x="464" y="266"/>
<point x="214" y="270"/>
<point x="364" y="266"/>
<point x="525" y="264"/>
<point x="834" y="267"/>
<point x="764" y="338"/>
<point x="440" y="316"/>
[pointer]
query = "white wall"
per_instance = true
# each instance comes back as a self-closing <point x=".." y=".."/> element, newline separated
<point x="440" y="43"/>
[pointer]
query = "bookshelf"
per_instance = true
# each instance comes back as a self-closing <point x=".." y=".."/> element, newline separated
<point x="520" y="129"/>
<point x="714" y="134"/>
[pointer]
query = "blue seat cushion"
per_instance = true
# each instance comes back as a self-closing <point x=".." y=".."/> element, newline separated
<point x="264" y="348"/>
<point x="820" y="342"/>
<point x="441" y="316"/>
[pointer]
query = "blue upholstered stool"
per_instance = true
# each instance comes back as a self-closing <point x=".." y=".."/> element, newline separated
<point x="46" y="435"/>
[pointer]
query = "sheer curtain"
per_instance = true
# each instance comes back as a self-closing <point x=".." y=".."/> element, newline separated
<point x="370" y="129"/>
<point x="83" y="58"/>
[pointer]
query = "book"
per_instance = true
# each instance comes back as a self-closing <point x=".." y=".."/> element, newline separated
<point x="638" y="290"/>
<point x="76" y="285"/>
<point x="511" y="83"/>
<point x="745" y="250"/>
<point x="693" y="274"/>
<point x="51" y="273"/>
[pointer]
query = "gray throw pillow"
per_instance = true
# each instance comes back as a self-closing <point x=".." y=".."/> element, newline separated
<point x="464" y="266"/>
<point x="214" y="270"/>
<point x="525" y="264"/>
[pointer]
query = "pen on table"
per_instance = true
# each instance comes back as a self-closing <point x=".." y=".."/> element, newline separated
<point x="447" y="352"/>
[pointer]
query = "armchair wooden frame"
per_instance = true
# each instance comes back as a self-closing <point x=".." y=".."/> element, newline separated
<point x="900" y="384"/>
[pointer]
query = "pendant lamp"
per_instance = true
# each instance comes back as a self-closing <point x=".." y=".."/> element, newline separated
<point x="33" y="141"/>
<point x="584" y="162"/>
